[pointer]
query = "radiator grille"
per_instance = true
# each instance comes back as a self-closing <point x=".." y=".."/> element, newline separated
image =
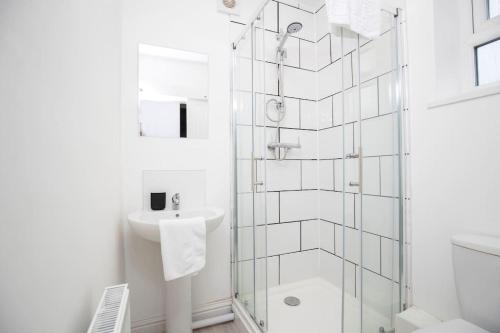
<point x="112" y="310"/>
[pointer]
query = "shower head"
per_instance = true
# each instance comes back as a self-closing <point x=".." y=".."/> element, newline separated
<point x="294" y="27"/>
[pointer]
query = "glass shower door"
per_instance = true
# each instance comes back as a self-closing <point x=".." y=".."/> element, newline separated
<point x="259" y="167"/>
<point x="372" y="174"/>
<point x="382" y="205"/>
<point x="251" y="220"/>
<point x="358" y="232"/>
<point x="244" y="222"/>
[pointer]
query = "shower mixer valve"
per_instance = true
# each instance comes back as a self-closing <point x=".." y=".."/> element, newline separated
<point x="277" y="146"/>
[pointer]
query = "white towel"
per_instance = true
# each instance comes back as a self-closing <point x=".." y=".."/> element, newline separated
<point x="361" y="16"/>
<point x="183" y="246"/>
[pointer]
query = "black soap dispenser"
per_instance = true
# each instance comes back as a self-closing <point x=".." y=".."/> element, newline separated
<point x="158" y="200"/>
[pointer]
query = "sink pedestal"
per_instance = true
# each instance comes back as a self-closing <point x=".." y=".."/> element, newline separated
<point x="178" y="306"/>
<point x="178" y="313"/>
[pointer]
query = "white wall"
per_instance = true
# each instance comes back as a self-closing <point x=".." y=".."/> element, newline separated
<point x="60" y="238"/>
<point x="454" y="170"/>
<point x="192" y="26"/>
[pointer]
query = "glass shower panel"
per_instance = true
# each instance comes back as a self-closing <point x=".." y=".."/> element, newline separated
<point x="249" y="85"/>
<point x="379" y="198"/>
<point x="245" y="253"/>
<point x="371" y="200"/>
<point x="344" y="267"/>
<point x="259" y="167"/>
<point x="351" y="232"/>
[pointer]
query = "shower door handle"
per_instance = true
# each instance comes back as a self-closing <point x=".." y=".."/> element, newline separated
<point x="256" y="182"/>
<point x="359" y="156"/>
<point x="360" y="170"/>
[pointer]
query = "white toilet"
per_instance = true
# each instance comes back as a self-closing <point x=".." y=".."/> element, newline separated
<point x="476" y="261"/>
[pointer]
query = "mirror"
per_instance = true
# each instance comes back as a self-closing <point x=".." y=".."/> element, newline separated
<point x="173" y="93"/>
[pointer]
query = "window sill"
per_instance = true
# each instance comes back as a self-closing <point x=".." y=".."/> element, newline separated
<point x="474" y="93"/>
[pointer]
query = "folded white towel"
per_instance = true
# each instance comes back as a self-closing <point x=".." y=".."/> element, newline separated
<point x="361" y="16"/>
<point x="183" y="246"/>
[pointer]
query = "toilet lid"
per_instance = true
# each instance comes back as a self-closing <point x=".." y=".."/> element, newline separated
<point x="453" y="326"/>
<point x="486" y="244"/>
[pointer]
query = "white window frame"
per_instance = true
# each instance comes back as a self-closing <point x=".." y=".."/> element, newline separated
<point x="481" y="31"/>
<point x="470" y="37"/>
<point x="480" y="15"/>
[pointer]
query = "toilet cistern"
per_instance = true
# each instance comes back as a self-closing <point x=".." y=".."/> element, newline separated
<point x="176" y="201"/>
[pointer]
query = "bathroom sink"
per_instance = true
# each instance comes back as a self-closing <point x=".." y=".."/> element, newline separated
<point x="145" y="223"/>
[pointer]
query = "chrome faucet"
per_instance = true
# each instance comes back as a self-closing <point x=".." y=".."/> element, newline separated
<point x="176" y="201"/>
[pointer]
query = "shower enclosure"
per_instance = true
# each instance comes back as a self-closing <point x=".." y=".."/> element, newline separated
<point x="318" y="227"/>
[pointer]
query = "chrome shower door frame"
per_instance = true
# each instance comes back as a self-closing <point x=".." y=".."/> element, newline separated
<point x="258" y="189"/>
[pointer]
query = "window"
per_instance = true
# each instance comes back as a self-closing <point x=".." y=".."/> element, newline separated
<point x="493" y="8"/>
<point x="466" y="49"/>
<point x="485" y="13"/>
<point x="488" y="62"/>
<point x="485" y="41"/>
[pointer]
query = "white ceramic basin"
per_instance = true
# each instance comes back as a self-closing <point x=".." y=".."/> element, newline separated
<point x="145" y="223"/>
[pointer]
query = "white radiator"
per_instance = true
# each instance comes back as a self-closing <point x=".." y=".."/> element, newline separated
<point x="112" y="314"/>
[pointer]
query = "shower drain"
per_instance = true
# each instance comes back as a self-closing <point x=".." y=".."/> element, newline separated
<point x="292" y="301"/>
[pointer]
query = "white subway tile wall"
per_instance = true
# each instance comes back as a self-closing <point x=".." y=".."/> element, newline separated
<point x="293" y="52"/>
<point x="308" y="55"/>
<point x="300" y="83"/>
<point x="282" y="175"/>
<point x="298" y="205"/>
<point x="306" y="210"/>
<point x="283" y="238"/>
<point x="299" y="266"/>
<point x="369" y="99"/>
<point x="325" y="113"/>
<point x="323" y="50"/>
<point x="308" y="115"/>
<point x="309" y="174"/>
<point x="327" y="236"/>
<point x="371" y="175"/>
<point x="310" y="235"/>
<point x="326" y="175"/>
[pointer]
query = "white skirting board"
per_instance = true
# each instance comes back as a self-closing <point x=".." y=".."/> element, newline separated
<point x="207" y="315"/>
<point x="213" y="321"/>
